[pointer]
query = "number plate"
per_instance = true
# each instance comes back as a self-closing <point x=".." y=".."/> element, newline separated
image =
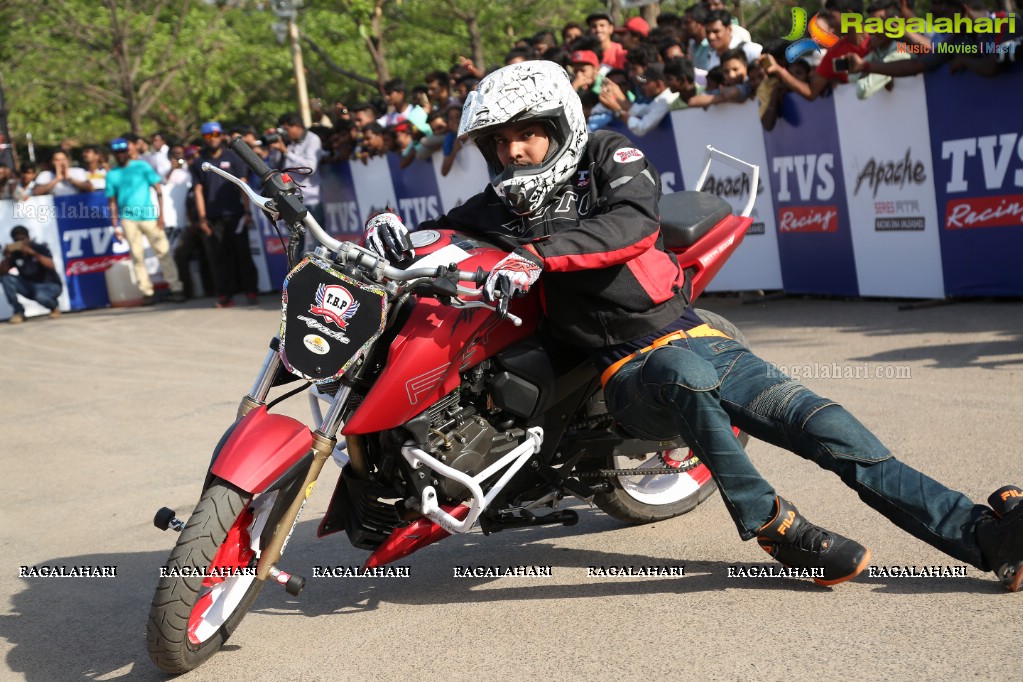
<point x="328" y="320"/>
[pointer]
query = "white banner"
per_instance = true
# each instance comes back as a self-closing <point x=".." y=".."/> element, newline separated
<point x="734" y="129"/>
<point x="38" y="215"/>
<point x="467" y="177"/>
<point x="373" y="186"/>
<point x="889" y="182"/>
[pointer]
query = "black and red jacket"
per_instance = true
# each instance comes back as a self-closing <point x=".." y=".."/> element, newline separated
<point x="607" y="278"/>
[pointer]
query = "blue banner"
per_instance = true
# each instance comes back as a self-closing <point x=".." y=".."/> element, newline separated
<point x="415" y="187"/>
<point x="88" y="246"/>
<point x="977" y="145"/>
<point x="659" y="146"/>
<point x="814" y="237"/>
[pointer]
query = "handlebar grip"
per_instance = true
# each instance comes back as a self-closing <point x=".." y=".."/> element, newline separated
<point x="251" y="159"/>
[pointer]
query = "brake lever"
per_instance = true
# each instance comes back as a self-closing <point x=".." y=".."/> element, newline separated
<point x="514" y="319"/>
<point x="264" y="203"/>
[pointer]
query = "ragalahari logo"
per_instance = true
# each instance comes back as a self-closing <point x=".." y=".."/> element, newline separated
<point x="819" y="37"/>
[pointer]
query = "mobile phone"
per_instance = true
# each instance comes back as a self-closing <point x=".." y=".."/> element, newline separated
<point x="840" y="65"/>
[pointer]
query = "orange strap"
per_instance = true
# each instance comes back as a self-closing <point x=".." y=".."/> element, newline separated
<point x="695" y="332"/>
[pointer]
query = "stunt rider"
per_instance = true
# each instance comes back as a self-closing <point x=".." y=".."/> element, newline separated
<point x="582" y="211"/>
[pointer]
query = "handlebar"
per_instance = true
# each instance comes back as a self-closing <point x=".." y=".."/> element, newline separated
<point x="286" y="203"/>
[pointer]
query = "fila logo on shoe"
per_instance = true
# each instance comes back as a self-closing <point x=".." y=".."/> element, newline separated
<point x="1012" y="493"/>
<point x="787" y="523"/>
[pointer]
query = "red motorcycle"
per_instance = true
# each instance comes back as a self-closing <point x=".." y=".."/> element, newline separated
<point x="453" y="413"/>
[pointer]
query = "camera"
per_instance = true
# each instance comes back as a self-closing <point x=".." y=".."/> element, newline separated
<point x="272" y="135"/>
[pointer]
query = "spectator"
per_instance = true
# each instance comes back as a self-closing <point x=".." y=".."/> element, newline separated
<point x="639" y="59"/>
<point x="185" y="236"/>
<point x="882" y="49"/>
<point x="223" y="213"/>
<point x="642" y="118"/>
<point x="318" y="114"/>
<point x="722" y="37"/>
<point x="26" y="182"/>
<point x="849" y="44"/>
<point x="603" y="27"/>
<point x="633" y="33"/>
<point x="680" y="77"/>
<point x="465" y="85"/>
<point x="419" y="97"/>
<point x="671" y="49"/>
<point x="157" y="157"/>
<point x="570" y="32"/>
<point x="586" y="67"/>
<point x="37" y="277"/>
<point x="341" y="112"/>
<point x="438" y="121"/>
<point x="95" y="172"/>
<point x="741" y="34"/>
<point x="452" y="144"/>
<point x="63" y="180"/>
<point x="559" y="56"/>
<point x="672" y="21"/>
<point x="6" y="153"/>
<point x="7" y="183"/>
<point x="698" y="48"/>
<point x="400" y="110"/>
<point x="363" y="114"/>
<point x="736" y="86"/>
<point x="341" y="143"/>
<point x="601" y="115"/>
<point x="438" y="88"/>
<point x="519" y="54"/>
<point x="298" y="148"/>
<point x="405" y="144"/>
<point x="373" y="143"/>
<point x="544" y="41"/>
<point x="133" y="214"/>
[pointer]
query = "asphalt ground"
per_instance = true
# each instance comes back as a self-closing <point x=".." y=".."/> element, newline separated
<point x="108" y="415"/>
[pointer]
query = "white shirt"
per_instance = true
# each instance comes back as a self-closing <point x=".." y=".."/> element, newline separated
<point x="159" y="160"/>
<point x="64" y="187"/>
<point x="644" y="117"/>
<point x="175" y="193"/>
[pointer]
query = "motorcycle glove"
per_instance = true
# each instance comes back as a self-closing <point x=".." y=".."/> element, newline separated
<point x="388" y="237"/>
<point x="513" y="275"/>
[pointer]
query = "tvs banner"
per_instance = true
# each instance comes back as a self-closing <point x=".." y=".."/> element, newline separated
<point x="814" y="242"/>
<point x="734" y="129"/>
<point x="373" y="187"/>
<point x="467" y="176"/>
<point x="889" y="180"/>
<point x="977" y="143"/>
<point x="416" y="189"/>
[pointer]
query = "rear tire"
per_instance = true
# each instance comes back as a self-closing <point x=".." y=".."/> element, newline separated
<point x="645" y="499"/>
<point x="193" y="615"/>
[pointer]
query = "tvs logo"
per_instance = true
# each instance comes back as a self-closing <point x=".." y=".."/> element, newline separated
<point x="627" y="154"/>
<point x="818" y="36"/>
<point x="335" y="304"/>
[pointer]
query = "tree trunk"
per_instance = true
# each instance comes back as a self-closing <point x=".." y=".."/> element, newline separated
<point x="615" y="10"/>
<point x="375" y="45"/>
<point x="650" y="13"/>
<point x="476" y="41"/>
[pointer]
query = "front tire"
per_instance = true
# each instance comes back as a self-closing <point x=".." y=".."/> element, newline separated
<point x="193" y="612"/>
<point x="648" y="498"/>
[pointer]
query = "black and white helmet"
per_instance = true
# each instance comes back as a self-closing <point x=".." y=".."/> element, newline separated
<point x="527" y="91"/>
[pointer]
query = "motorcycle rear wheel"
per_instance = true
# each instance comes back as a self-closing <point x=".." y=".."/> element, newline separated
<point x="194" y="611"/>
<point x="643" y="498"/>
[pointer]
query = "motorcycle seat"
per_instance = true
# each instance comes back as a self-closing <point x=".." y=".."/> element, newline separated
<point x="687" y="216"/>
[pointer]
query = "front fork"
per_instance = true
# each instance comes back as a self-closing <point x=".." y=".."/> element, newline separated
<point x="324" y="440"/>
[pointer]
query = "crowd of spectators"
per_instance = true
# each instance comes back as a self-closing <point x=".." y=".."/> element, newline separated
<point x="634" y="73"/>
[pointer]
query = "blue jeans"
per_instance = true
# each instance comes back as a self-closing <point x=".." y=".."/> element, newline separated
<point x="43" y="293"/>
<point x="699" y="387"/>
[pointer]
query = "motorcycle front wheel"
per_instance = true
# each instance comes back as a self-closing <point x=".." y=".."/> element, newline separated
<point x="644" y="498"/>
<point x="209" y="583"/>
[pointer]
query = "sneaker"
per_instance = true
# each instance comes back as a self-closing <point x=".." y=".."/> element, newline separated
<point x="224" y="302"/>
<point x="16" y="318"/>
<point x="55" y="313"/>
<point x="1000" y="536"/>
<point x="797" y="543"/>
<point x="177" y="297"/>
<point x="148" y="300"/>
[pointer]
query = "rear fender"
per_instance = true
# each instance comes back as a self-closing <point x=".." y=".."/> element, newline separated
<point x="260" y="449"/>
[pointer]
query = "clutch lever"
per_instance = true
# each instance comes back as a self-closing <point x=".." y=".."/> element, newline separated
<point x="268" y="205"/>
<point x="503" y="302"/>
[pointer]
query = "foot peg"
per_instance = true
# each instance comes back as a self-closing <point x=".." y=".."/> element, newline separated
<point x="293" y="584"/>
<point x="167" y="519"/>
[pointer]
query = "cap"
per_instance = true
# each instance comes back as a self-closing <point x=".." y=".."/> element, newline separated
<point x="119" y="144"/>
<point x="636" y="25"/>
<point x="210" y="127"/>
<point x="600" y="15"/>
<point x="586" y="57"/>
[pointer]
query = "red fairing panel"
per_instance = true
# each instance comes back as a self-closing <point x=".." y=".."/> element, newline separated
<point x="712" y="251"/>
<point x="436" y="343"/>
<point x="261" y="448"/>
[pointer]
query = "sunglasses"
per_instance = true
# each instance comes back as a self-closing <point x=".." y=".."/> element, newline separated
<point x="210" y="136"/>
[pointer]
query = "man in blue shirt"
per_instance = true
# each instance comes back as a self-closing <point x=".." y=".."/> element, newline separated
<point x="133" y="214"/>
